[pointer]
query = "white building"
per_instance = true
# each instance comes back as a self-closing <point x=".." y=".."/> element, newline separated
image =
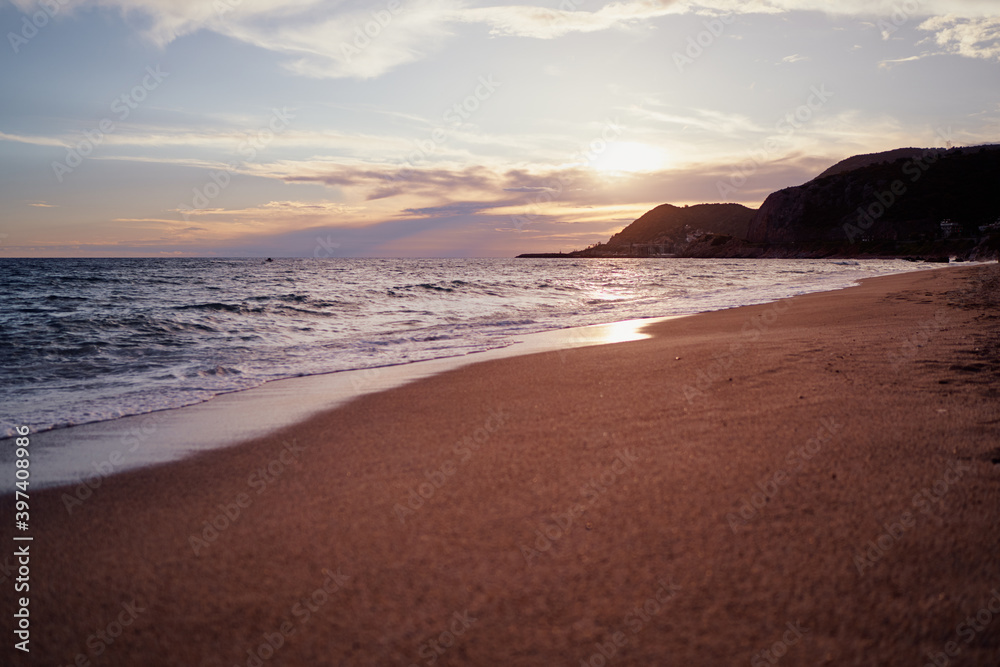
<point x="950" y="229"/>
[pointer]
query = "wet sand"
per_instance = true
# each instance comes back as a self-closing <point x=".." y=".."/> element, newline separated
<point x="815" y="481"/>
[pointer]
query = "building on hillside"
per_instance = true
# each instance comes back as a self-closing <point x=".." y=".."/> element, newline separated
<point x="950" y="229"/>
<point x="989" y="229"/>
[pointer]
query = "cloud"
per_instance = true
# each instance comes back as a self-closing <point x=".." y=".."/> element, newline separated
<point x="279" y="208"/>
<point x="794" y="58"/>
<point x="362" y="43"/>
<point x="388" y="180"/>
<point x="455" y="208"/>
<point x="555" y="194"/>
<point x="708" y="120"/>
<point x="886" y="64"/>
<point x="859" y="8"/>
<point x="351" y="39"/>
<point x="214" y="226"/>
<point x="545" y="23"/>
<point x="323" y="39"/>
<point x="163" y="21"/>
<point x="971" y="38"/>
<point x="36" y="141"/>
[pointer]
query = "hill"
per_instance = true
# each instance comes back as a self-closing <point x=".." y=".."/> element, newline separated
<point x="902" y="199"/>
<point x="868" y="159"/>
<point x="886" y="204"/>
<point x="669" y="224"/>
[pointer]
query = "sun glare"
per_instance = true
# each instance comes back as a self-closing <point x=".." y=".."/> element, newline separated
<point x="628" y="157"/>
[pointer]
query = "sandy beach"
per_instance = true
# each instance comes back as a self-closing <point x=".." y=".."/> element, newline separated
<point x="814" y="481"/>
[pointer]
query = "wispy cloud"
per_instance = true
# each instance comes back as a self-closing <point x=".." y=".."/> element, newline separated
<point x="860" y="8"/>
<point x="34" y="140"/>
<point x="345" y="38"/>
<point x="709" y="120"/>
<point x="163" y="21"/>
<point x="545" y="23"/>
<point x="233" y="142"/>
<point x="887" y="64"/>
<point x="363" y="43"/>
<point x="454" y="208"/>
<point x="352" y="39"/>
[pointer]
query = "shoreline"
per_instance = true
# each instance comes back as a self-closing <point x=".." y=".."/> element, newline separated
<point x="133" y="442"/>
<point x="760" y="470"/>
<point x="54" y="408"/>
<point x="87" y="453"/>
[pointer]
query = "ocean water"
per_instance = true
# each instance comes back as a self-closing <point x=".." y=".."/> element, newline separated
<point x="85" y="340"/>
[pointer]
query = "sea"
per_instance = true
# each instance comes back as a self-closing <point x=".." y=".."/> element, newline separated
<point x="87" y="340"/>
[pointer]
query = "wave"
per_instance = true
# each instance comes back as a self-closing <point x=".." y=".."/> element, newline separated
<point x="114" y="337"/>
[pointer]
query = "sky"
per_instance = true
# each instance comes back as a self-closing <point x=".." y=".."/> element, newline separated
<point x="451" y="128"/>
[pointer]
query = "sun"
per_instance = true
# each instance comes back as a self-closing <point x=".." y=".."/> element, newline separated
<point x="628" y="157"/>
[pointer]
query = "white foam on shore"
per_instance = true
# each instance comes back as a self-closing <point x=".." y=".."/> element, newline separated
<point x="91" y="451"/>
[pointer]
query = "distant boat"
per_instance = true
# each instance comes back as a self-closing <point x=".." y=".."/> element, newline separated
<point x="268" y="260"/>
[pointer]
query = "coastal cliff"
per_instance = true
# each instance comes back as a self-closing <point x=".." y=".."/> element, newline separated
<point x="930" y="203"/>
<point x="902" y="199"/>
